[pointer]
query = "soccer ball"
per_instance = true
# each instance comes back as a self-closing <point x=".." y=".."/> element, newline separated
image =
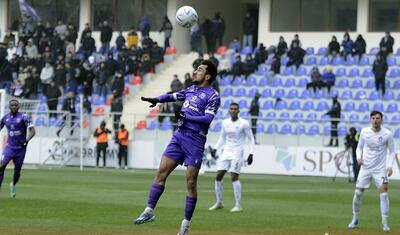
<point x="186" y="16"/>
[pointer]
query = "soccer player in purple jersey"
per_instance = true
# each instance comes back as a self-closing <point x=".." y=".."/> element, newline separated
<point x="201" y="103"/>
<point x="17" y="124"/>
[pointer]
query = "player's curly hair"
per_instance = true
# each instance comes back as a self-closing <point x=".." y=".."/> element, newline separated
<point x="210" y="70"/>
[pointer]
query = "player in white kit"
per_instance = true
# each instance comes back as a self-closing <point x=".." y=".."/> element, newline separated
<point x="233" y="135"/>
<point x="375" y="155"/>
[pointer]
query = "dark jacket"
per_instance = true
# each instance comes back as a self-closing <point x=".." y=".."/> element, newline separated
<point x="388" y="43"/>
<point x="335" y="111"/>
<point x="359" y="46"/>
<point x="249" y="25"/>
<point x="254" y="107"/>
<point x="118" y="86"/>
<point x="106" y="34"/>
<point x="334" y="46"/>
<point x="88" y="44"/>
<point x="380" y="68"/>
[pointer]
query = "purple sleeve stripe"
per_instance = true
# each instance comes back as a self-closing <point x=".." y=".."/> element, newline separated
<point x="210" y="112"/>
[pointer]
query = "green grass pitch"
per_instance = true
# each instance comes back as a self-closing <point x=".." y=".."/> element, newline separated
<point x="68" y="201"/>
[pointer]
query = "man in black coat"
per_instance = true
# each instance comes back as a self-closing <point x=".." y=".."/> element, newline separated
<point x="296" y="55"/>
<point x="88" y="45"/>
<point x="218" y="29"/>
<point x="335" y="114"/>
<point x="105" y="37"/>
<point x="254" y="111"/>
<point x="386" y="44"/>
<point x="379" y="68"/>
<point x="249" y="28"/>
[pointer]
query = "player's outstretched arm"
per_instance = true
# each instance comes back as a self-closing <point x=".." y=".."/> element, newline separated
<point x="153" y="101"/>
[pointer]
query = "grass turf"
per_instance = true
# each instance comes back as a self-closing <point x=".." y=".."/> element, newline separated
<point x="68" y="201"/>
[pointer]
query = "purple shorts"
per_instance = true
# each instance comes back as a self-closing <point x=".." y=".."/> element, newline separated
<point x="17" y="155"/>
<point x="186" y="146"/>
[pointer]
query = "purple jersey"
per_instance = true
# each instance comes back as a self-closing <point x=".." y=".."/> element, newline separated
<point x="17" y="127"/>
<point x="198" y="102"/>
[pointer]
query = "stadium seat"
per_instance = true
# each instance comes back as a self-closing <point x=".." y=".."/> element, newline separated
<point x="109" y="100"/>
<point x="166" y="125"/>
<point x="311" y="117"/>
<point x="260" y="128"/>
<point x="310" y="51"/>
<point x="99" y="111"/>
<point x="392" y="108"/>
<point x="289" y="82"/>
<point x="238" y="81"/>
<point x="298" y="117"/>
<point x="311" y="61"/>
<point x="266" y="93"/>
<point x="216" y="127"/>
<point x="389" y="95"/>
<point x="42" y="109"/>
<point x="391" y="61"/>
<point x="373" y="51"/>
<point x="360" y="95"/>
<point x="302" y="82"/>
<point x="334" y="92"/>
<point x="284" y="60"/>
<point x="243" y="104"/>
<point x="286" y="129"/>
<point x="367" y="73"/>
<point x="300" y="130"/>
<point x="251" y="81"/>
<point x="340" y="72"/>
<point x="100" y="100"/>
<point x="276" y="82"/>
<point x="313" y="130"/>
<point x="342" y="130"/>
<point x="263" y="82"/>
<point x="284" y="116"/>
<point x="43" y="99"/>
<point x="279" y="93"/>
<point x="349" y="107"/>
<point x="324" y="61"/>
<point x="397" y="133"/>
<point x="136" y="80"/>
<point x="153" y="125"/>
<point x="126" y="91"/>
<point x="269" y="104"/>
<point x="308" y="105"/>
<point x="366" y="118"/>
<point x="370" y="84"/>
<point x="325" y="118"/>
<point x="395" y="119"/>
<point x="280" y="105"/>
<point x="398" y="52"/>
<point x="153" y="113"/>
<point x="294" y="105"/>
<point x="327" y="130"/>
<point x="393" y="73"/>
<point x="244" y="115"/>
<point x="227" y="92"/>
<point x="354" y="117"/>
<point x="40" y="121"/>
<point x="222" y="50"/>
<point x="225" y="81"/>
<point x="252" y="92"/>
<point x="301" y="71"/>
<point x="306" y="94"/>
<point x="52" y="121"/>
<point x="363" y="107"/>
<point x="318" y="95"/>
<point x="287" y="71"/>
<point x="337" y="61"/>
<point x="142" y="124"/>
<point x="396" y="85"/>
<point x="272" y="128"/>
<point x="241" y="92"/>
<point x="262" y="71"/>
<point x="292" y="94"/>
<point x="270" y="116"/>
<point x="357" y="83"/>
<point x="354" y="72"/>
<point x="378" y="107"/>
<point x="364" y="61"/>
<point x="247" y="50"/>
<point x="343" y="83"/>
<point x="322" y="106"/>
<point x="346" y="95"/>
<point x="322" y="51"/>
<point x="227" y="103"/>
<point x="350" y="61"/>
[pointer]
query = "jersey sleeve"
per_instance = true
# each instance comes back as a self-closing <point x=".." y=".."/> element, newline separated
<point x="250" y="136"/>
<point x="213" y="104"/>
<point x="179" y="95"/>
<point x="27" y="120"/>
<point x="391" y="154"/>
<point x="360" y="146"/>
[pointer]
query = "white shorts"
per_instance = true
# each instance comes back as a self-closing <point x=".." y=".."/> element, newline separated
<point x="365" y="177"/>
<point x="230" y="165"/>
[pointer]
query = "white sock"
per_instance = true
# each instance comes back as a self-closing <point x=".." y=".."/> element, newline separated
<point x="357" y="203"/>
<point x="237" y="190"/>
<point x="219" y="186"/>
<point x="384" y="207"/>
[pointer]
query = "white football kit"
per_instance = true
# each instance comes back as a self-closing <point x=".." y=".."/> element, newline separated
<point x="376" y="149"/>
<point x="232" y="139"/>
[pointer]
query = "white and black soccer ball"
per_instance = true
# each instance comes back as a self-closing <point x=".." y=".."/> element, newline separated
<point x="186" y="16"/>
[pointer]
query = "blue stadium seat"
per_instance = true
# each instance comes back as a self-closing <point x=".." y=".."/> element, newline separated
<point x="227" y="92"/>
<point x="225" y="81"/>
<point x="396" y="85"/>
<point x="373" y="51"/>
<point x="363" y="107"/>
<point x="387" y="84"/>
<point x="332" y="93"/>
<point x="322" y="106"/>
<point x="276" y="82"/>
<point x="241" y="92"/>
<point x="52" y="121"/>
<point x="238" y="81"/>
<point x="263" y="82"/>
<point x="318" y="95"/>
<point x="308" y="105"/>
<point x="272" y="128"/>
<point x="279" y="93"/>
<point x="42" y="109"/>
<point x="350" y="61"/>
<point x="217" y="127"/>
<point x="243" y="104"/>
<point x="392" y="108"/>
<point x="300" y="130"/>
<point x="325" y="118"/>
<point x="100" y="101"/>
<point x="366" y="118"/>
<point x="367" y="73"/>
<point x="311" y="117"/>
<point x="166" y="125"/>
<point x="227" y="103"/>
<point x="260" y="128"/>
<point x="343" y="83"/>
<point x="374" y="95"/>
<point x="284" y="116"/>
<point x="391" y="61"/>
<point x="354" y="72"/>
<point x="298" y="117"/>
<point x="364" y="61"/>
<point x="266" y="93"/>
<point x="292" y="94"/>
<point x="393" y="73"/>
<point x="251" y="81"/>
<point x="40" y="121"/>
<point x="289" y="82"/>
<point x="252" y="92"/>
<point x="262" y="71"/>
<point x="306" y="94"/>
<point x="395" y="119"/>
<point x="357" y="83"/>
<point x="302" y="82"/>
<point x="294" y="105"/>
<point x="311" y="61"/>
<point x="313" y="130"/>
<point x="327" y="130"/>
<point x="269" y="104"/>
<point x="245" y="115"/>
<point x="301" y="71"/>
<point x="247" y="50"/>
<point x="286" y="129"/>
<point x="284" y="60"/>
<point x="287" y="71"/>
<point x="354" y="117"/>
<point x="378" y="107"/>
<point x="322" y="51"/>
<point x="280" y="105"/>
<point x="270" y="116"/>
<point x="360" y="95"/>
<point x="346" y="95"/>
<point x="370" y="84"/>
<point x="310" y="51"/>
<point x="397" y="133"/>
<point x="342" y="130"/>
<point x="349" y="107"/>
<point x="337" y="61"/>
<point x="324" y="61"/>
<point x="389" y="95"/>
<point x="152" y="125"/>
<point x="43" y="99"/>
<point x="340" y="72"/>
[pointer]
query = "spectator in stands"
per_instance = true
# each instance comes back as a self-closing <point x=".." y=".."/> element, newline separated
<point x="120" y="41"/>
<point x="46" y="75"/>
<point x="71" y="34"/>
<point x="347" y="46"/>
<point x="328" y="78"/>
<point x="296" y="55"/>
<point x="261" y="55"/>
<point x="147" y="66"/>
<point x="249" y="66"/>
<point x="379" y="68"/>
<point x="122" y="139"/>
<point x="17" y="89"/>
<point x="61" y="29"/>
<point x="112" y="66"/>
<point x="52" y="94"/>
<point x="70" y="49"/>
<point x="333" y="47"/>
<point x="88" y="45"/>
<point x="30" y="86"/>
<point x="167" y="29"/>
<point x="237" y="68"/>
<point x="133" y="38"/>
<point x="87" y="77"/>
<point x="68" y="107"/>
<point x="316" y="80"/>
<point x="249" y="28"/>
<point x="282" y="47"/>
<point x="116" y="108"/>
<point x="254" y="112"/>
<point x="156" y="54"/>
<point x="118" y="83"/>
<point x="197" y="62"/>
<point x="275" y="66"/>
<point x="218" y="30"/>
<point x="235" y="44"/>
<point x="5" y="75"/>
<point x="11" y="50"/>
<point x="101" y="134"/>
<point x="85" y="32"/>
<point x="176" y="84"/>
<point x="188" y="81"/>
<point x="195" y="38"/>
<point x="9" y="37"/>
<point x="224" y="66"/>
<point x="144" y="26"/>
<point x="105" y="37"/>
<point x="296" y="41"/>
<point x="359" y="47"/>
<point x="60" y="75"/>
<point x="335" y="114"/>
<point x="101" y="80"/>
<point x="207" y="29"/>
<point x="386" y="44"/>
<point x="31" y="50"/>
<point x="44" y="42"/>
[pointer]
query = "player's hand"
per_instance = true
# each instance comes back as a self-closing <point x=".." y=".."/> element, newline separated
<point x="180" y="115"/>
<point x="250" y="159"/>
<point x="360" y="162"/>
<point x="389" y="171"/>
<point x="153" y="101"/>
<point x="213" y="153"/>
<point x="24" y="144"/>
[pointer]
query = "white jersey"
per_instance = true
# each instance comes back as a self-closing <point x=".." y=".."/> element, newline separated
<point x="373" y="149"/>
<point x="233" y="135"/>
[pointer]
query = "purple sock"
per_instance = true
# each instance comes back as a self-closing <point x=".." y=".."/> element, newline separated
<point x="190" y="206"/>
<point x="155" y="193"/>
